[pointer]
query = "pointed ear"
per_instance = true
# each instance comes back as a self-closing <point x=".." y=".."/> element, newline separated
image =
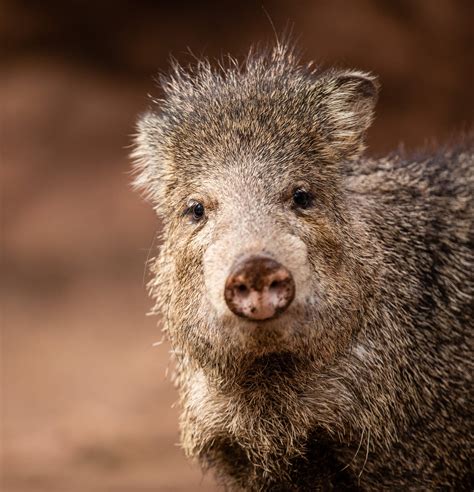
<point x="345" y="109"/>
<point x="148" y="158"/>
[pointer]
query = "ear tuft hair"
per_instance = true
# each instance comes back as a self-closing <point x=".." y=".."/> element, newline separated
<point x="147" y="156"/>
<point x="346" y="102"/>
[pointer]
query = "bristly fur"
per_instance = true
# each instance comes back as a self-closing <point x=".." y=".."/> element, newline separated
<point x="364" y="382"/>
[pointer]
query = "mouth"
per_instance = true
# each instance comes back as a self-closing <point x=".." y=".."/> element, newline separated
<point x="264" y="336"/>
<point x="279" y="320"/>
<point x="262" y="317"/>
<point x="269" y="368"/>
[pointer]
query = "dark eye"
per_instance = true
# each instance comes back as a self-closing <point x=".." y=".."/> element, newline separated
<point x="197" y="211"/>
<point x="302" y="199"/>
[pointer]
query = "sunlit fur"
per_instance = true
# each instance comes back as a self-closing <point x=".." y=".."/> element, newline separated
<point x="363" y="381"/>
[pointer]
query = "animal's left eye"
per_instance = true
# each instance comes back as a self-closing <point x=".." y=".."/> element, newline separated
<point x="302" y="198"/>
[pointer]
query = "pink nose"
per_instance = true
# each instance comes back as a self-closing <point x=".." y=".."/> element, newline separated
<point x="259" y="288"/>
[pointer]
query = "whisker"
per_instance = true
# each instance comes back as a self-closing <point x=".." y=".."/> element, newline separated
<point x="145" y="268"/>
<point x="366" y="455"/>
<point x="357" y="451"/>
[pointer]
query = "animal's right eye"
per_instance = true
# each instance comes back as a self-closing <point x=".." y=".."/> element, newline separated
<point x="196" y="211"/>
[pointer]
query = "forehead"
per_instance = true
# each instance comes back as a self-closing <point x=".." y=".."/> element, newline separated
<point x="266" y="126"/>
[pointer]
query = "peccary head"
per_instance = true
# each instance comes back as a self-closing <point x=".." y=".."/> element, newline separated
<point x="245" y="166"/>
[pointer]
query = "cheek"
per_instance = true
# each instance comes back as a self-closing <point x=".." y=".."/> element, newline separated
<point x="187" y="265"/>
<point x="216" y="265"/>
<point x="294" y="255"/>
<point x="337" y="282"/>
<point x="325" y="246"/>
<point x="188" y="285"/>
<point x="187" y="246"/>
<point x="201" y="268"/>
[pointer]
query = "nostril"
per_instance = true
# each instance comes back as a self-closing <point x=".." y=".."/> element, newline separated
<point x="274" y="285"/>
<point x="242" y="288"/>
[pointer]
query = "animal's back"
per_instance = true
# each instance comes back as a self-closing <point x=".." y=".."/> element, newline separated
<point x="420" y="208"/>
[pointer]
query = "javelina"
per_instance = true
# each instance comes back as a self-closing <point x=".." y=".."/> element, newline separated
<point x="319" y="303"/>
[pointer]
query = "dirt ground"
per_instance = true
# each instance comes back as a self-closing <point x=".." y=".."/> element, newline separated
<point x="86" y="399"/>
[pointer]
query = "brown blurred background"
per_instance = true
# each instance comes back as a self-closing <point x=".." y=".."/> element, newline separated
<point x="86" y="404"/>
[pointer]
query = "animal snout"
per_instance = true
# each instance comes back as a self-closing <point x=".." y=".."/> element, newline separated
<point x="259" y="288"/>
